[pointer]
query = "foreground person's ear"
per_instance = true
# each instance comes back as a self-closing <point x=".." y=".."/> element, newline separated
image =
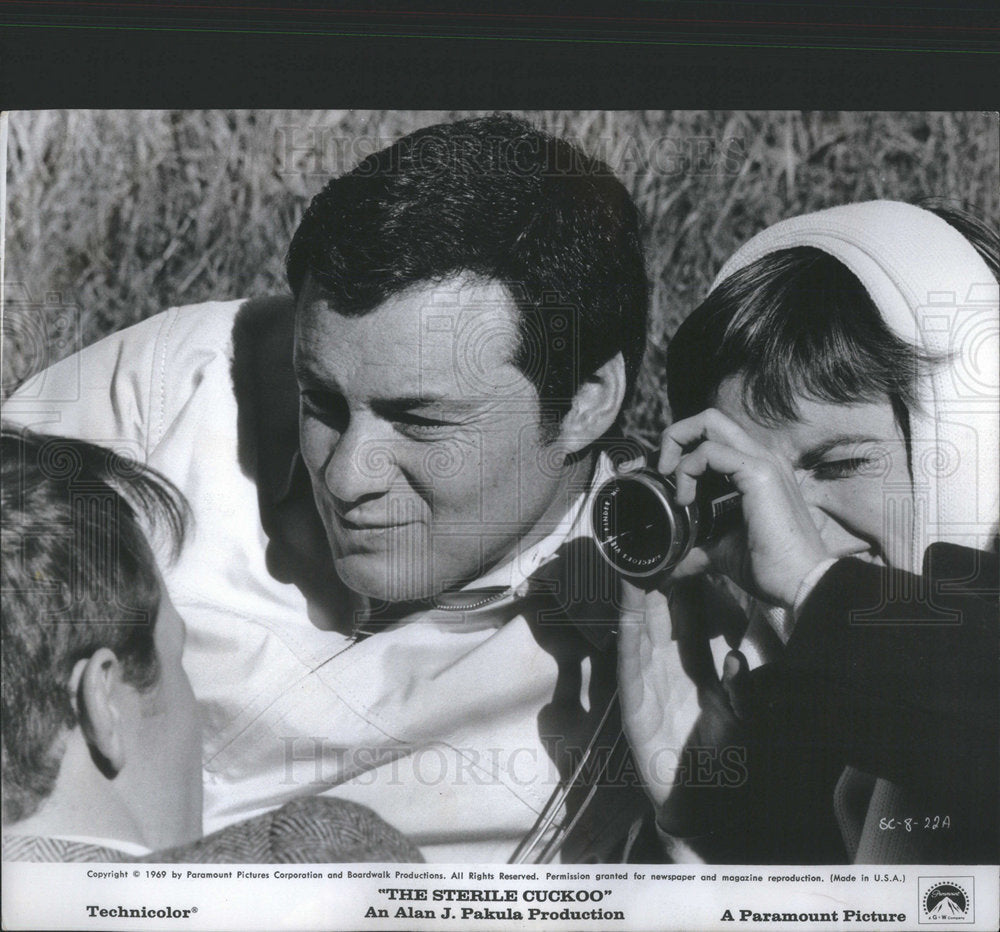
<point x="595" y="406"/>
<point x="97" y="686"/>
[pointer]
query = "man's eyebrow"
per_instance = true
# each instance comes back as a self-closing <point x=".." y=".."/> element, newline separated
<point x="814" y="454"/>
<point x="416" y="402"/>
<point x="393" y="405"/>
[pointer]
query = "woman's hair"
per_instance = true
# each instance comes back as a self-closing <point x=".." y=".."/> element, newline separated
<point x="762" y="323"/>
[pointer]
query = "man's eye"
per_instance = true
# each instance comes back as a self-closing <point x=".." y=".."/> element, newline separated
<point x="311" y="402"/>
<point x="417" y="426"/>
<point x="327" y="407"/>
<point x="841" y="469"/>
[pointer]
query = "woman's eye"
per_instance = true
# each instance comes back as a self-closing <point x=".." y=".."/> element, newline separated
<point x="841" y="469"/>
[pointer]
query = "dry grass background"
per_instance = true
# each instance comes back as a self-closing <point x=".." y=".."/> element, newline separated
<point x="113" y="216"/>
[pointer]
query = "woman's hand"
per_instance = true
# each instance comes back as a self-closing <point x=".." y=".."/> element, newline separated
<point x="778" y="543"/>
<point x="683" y="724"/>
<point x="679" y="715"/>
<point x="652" y="687"/>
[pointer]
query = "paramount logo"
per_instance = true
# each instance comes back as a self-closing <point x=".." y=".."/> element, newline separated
<point x="947" y="909"/>
<point x="946" y="900"/>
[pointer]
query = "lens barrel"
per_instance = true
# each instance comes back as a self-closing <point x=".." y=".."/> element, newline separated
<point x="642" y="531"/>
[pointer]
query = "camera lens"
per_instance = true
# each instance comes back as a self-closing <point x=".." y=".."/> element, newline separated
<point x="638" y="528"/>
<point x="642" y="531"/>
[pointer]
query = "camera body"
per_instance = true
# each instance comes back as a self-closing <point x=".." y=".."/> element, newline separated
<point x="641" y="530"/>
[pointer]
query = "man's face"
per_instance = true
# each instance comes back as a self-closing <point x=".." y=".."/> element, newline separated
<point x="852" y="468"/>
<point x="421" y="437"/>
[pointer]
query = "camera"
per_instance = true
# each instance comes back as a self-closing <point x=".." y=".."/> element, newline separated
<point x="642" y="531"/>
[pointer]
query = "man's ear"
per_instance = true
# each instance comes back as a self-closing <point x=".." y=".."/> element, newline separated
<point x="97" y="685"/>
<point x="595" y="406"/>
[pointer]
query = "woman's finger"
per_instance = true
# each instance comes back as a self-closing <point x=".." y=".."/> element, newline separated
<point x="720" y="458"/>
<point x="670" y="453"/>
<point x="709" y="424"/>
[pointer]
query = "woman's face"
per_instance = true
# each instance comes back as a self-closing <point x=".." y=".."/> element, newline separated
<point x="851" y="463"/>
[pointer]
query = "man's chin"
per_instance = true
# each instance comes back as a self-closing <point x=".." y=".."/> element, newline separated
<point x="385" y="579"/>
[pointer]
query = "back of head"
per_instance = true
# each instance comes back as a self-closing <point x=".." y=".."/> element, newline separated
<point x="499" y="200"/>
<point x="77" y="574"/>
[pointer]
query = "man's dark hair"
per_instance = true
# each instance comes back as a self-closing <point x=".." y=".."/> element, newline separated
<point x="763" y="324"/>
<point x="505" y="202"/>
<point x="78" y="574"/>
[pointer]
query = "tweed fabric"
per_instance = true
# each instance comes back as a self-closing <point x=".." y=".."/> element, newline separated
<point x="38" y="848"/>
<point x="312" y="830"/>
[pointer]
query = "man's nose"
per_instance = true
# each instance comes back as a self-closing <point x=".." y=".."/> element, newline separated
<point x="361" y="465"/>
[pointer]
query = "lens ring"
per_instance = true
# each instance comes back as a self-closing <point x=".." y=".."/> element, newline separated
<point x="638" y="528"/>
